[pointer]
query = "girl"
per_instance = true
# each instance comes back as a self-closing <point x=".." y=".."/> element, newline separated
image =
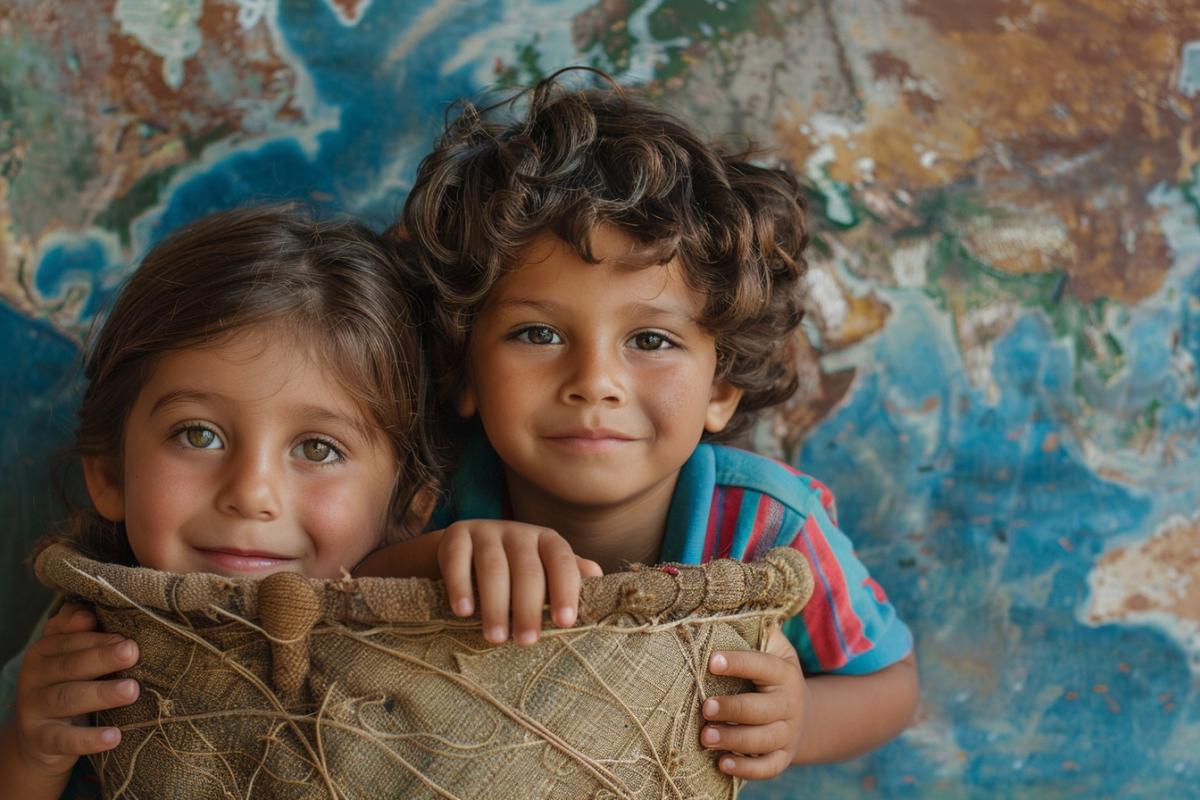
<point x="255" y="404"/>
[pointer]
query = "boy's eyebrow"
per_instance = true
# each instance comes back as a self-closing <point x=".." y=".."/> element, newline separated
<point x="541" y="305"/>
<point x="639" y="308"/>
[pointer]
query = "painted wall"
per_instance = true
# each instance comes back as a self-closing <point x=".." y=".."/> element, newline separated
<point x="1005" y="315"/>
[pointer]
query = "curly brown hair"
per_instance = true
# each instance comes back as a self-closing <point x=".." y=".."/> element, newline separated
<point x="565" y="160"/>
<point x="333" y="284"/>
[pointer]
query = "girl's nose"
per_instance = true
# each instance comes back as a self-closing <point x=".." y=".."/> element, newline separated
<point x="596" y="377"/>
<point x="251" y="488"/>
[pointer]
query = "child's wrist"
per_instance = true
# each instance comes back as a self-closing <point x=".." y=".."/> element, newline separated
<point x="802" y="751"/>
<point x="24" y="773"/>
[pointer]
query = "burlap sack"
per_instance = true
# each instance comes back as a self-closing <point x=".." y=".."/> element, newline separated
<point x="370" y="688"/>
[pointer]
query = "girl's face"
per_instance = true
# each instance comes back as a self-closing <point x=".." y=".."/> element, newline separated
<point x="244" y="457"/>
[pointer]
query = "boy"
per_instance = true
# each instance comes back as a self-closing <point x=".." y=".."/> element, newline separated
<point x="612" y="296"/>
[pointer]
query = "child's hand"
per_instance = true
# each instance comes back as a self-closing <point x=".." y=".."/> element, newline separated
<point x="764" y="726"/>
<point x="514" y="565"/>
<point x="58" y="687"/>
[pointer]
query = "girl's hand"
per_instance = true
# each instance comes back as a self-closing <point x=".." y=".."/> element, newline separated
<point x="514" y="565"/>
<point x="763" y="728"/>
<point x="58" y="688"/>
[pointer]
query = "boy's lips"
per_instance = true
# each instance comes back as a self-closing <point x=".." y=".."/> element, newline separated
<point x="589" y="440"/>
<point x="234" y="560"/>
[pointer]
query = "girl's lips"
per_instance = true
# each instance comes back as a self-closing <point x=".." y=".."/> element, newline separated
<point x="245" y="561"/>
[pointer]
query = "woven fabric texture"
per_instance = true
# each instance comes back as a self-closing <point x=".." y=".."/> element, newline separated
<point x="288" y="687"/>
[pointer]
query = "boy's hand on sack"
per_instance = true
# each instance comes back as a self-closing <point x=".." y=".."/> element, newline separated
<point x="515" y="566"/>
<point x="758" y="731"/>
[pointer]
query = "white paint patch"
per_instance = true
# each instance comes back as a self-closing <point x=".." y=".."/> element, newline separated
<point x="837" y="205"/>
<point x="1189" y="69"/>
<point x="650" y="51"/>
<point x="823" y="127"/>
<point x="866" y="168"/>
<point x="908" y="264"/>
<point x="250" y="12"/>
<point x="167" y="28"/>
<point x="1033" y="242"/>
<point x="351" y="17"/>
<point x="978" y="330"/>
<point x="824" y="300"/>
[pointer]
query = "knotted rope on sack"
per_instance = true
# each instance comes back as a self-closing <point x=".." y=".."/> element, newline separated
<point x="289" y="687"/>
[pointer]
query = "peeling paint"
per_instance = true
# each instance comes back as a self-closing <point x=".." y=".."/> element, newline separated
<point x="167" y="30"/>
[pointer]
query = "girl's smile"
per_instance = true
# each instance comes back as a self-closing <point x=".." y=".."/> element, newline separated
<point x="243" y="457"/>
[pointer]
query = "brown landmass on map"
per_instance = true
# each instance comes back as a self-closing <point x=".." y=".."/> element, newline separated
<point x="1160" y="574"/>
<point x="121" y="125"/>
<point x="1069" y="110"/>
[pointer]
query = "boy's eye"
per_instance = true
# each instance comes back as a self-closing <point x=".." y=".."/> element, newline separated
<point x="538" y="334"/>
<point x="651" y="340"/>
<point x="318" y="451"/>
<point x="200" y="438"/>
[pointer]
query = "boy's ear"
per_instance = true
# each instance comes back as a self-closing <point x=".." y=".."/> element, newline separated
<point x="721" y="406"/>
<point x="104" y="487"/>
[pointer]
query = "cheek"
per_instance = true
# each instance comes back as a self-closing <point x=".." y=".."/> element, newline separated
<point x="671" y="395"/>
<point x="159" y="503"/>
<point x="505" y="391"/>
<point x="344" y="514"/>
<point x="159" y="495"/>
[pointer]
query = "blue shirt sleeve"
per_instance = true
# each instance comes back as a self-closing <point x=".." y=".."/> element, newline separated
<point x="849" y="626"/>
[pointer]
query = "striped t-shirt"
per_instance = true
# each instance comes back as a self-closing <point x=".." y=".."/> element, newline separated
<point x="730" y="503"/>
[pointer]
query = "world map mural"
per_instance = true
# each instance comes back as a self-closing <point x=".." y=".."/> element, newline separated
<point x="1003" y="321"/>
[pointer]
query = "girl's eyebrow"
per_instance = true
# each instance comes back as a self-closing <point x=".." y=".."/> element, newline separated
<point x="180" y="396"/>
<point x="310" y="413"/>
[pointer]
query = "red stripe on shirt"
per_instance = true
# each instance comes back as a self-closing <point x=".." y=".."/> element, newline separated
<point x="710" y="535"/>
<point x="876" y="589"/>
<point x="835" y="596"/>
<point x="727" y="527"/>
<point x="762" y="519"/>
<point x="847" y="620"/>
<point x="817" y="616"/>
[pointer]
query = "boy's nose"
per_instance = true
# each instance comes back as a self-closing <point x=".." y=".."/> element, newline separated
<point x="251" y="488"/>
<point x="595" y="378"/>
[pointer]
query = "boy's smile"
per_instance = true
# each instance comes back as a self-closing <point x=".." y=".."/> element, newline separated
<point x="594" y="382"/>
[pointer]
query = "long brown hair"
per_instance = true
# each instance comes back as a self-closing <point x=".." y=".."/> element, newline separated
<point x="333" y="282"/>
<point x="566" y="160"/>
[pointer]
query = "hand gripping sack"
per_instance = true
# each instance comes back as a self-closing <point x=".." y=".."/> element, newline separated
<point x="289" y="687"/>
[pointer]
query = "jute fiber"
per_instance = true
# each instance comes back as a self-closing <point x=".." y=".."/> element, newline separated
<point x="288" y="687"/>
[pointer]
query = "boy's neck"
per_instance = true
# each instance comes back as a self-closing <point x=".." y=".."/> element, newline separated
<point x="614" y="536"/>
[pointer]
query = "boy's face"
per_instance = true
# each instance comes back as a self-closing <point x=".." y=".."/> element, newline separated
<point x="594" y="382"/>
<point x="246" y="457"/>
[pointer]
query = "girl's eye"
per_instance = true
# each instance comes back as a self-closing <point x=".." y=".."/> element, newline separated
<point x="538" y="334"/>
<point x="651" y="340"/>
<point x="317" y="451"/>
<point x="199" y="438"/>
